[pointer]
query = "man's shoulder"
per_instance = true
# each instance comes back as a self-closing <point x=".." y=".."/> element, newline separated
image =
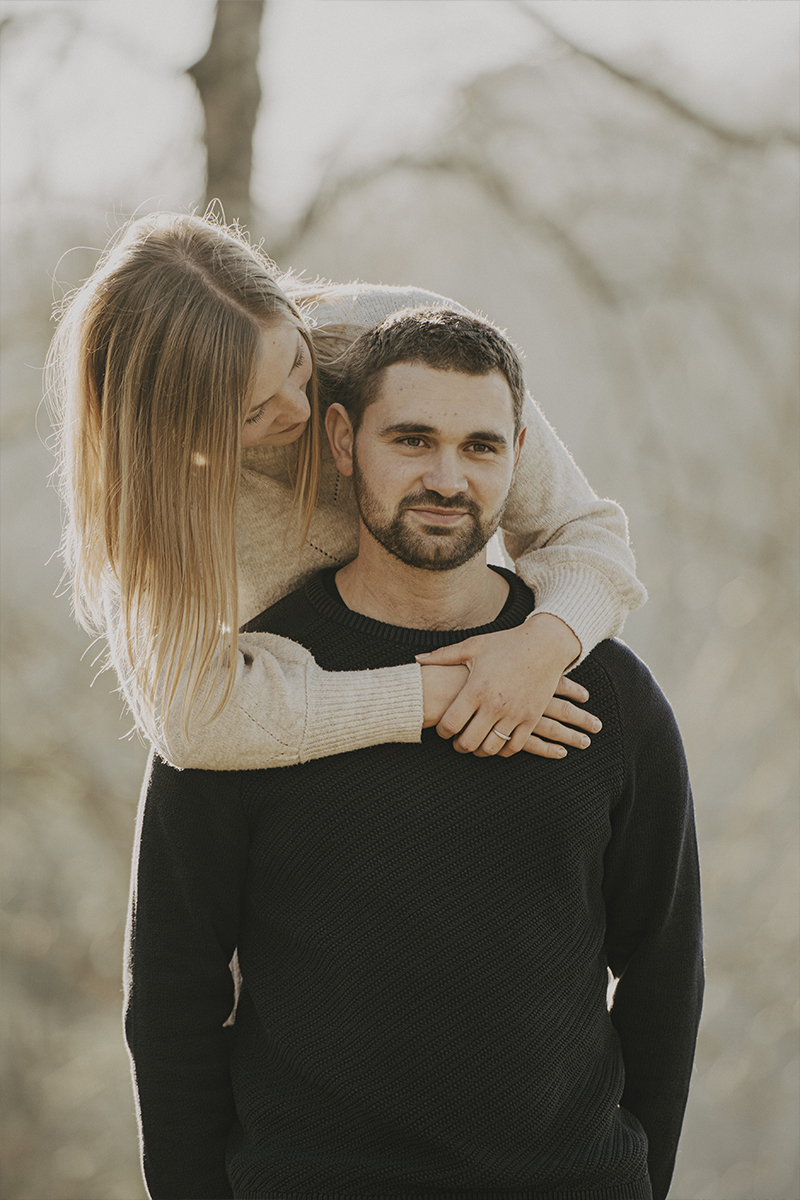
<point x="288" y="616"/>
<point x="619" y="660"/>
<point x="639" y="699"/>
<point x="168" y="785"/>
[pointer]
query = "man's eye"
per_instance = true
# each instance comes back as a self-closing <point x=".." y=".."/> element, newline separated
<point x="412" y="442"/>
<point x="481" y="448"/>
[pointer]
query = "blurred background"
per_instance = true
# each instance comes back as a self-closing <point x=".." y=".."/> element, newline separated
<point x="616" y="184"/>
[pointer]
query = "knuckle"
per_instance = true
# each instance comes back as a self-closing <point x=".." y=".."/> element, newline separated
<point x="487" y="697"/>
<point x="465" y="744"/>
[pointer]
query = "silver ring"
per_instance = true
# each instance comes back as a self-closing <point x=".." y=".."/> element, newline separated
<point x="505" y="736"/>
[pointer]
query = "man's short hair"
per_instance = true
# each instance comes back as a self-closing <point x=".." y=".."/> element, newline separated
<point x="435" y="337"/>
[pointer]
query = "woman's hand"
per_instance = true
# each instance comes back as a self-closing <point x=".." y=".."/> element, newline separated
<point x="515" y="679"/>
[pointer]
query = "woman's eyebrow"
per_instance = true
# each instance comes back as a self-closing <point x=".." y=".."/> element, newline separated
<point x="298" y="349"/>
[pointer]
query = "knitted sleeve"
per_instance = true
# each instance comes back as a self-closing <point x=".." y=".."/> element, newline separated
<point x="285" y="709"/>
<point x="652" y="898"/>
<point x="569" y="546"/>
<point x="188" y="874"/>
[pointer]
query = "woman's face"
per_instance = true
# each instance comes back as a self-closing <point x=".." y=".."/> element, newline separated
<point x="279" y="407"/>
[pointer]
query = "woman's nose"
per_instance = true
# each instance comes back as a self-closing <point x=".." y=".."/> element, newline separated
<point x="297" y="406"/>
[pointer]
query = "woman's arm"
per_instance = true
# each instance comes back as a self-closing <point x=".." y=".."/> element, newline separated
<point x="569" y="546"/>
<point x="285" y="709"/>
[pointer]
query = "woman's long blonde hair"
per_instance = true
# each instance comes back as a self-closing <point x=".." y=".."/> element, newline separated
<point x="150" y="374"/>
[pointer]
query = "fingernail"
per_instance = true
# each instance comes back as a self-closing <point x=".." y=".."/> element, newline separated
<point x="584" y="694"/>
<point x="596" y="726"/>
<point x="585" y="742"/>
<point x="562" y="752"/>
<point x="426" y="654"/>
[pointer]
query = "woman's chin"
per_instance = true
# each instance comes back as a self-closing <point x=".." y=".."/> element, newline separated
<point x="284" y="438"/>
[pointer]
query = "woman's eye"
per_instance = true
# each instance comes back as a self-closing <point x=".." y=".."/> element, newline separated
<point x="256" y="416"/>
<point x="301" y="358"/>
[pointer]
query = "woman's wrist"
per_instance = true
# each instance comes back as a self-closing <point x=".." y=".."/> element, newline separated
<point x="440" y="686"/>
<point x="560" y="644"/>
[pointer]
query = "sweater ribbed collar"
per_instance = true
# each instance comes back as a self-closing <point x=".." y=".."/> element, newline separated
<point x="322" y="593"/>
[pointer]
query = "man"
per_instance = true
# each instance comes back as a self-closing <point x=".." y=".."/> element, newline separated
<point x="424" y="938"/>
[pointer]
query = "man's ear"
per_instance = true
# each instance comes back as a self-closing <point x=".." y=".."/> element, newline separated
<point x="520" y="443"/>
<point x="339" y="429"/>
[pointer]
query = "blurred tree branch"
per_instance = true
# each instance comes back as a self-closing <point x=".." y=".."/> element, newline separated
<point x="230" y="91"/>
<point x="666" y="99"/>
<point x="483" y="175"/>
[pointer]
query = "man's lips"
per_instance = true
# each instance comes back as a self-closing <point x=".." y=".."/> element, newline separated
<point x="439" y="516"/>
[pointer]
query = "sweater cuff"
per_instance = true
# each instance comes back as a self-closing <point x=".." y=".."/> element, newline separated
<point x="348" y="710"/>
<point x="583" y="599"/>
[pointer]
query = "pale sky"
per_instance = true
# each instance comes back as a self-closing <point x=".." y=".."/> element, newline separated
<point x="95" y="104"/>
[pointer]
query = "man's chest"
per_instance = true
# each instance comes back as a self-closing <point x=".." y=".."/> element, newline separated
<point x="418" y="836"/>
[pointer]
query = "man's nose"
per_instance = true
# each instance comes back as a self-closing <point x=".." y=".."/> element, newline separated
<point x="445" y="476"/>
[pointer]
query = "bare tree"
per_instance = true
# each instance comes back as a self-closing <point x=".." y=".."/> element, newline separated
<point x="230" y="91"/>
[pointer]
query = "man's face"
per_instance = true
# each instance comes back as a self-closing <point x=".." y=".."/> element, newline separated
<point x="433" y="462"/>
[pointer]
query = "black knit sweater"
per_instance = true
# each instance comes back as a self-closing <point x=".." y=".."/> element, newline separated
<point x="423" y="939"/>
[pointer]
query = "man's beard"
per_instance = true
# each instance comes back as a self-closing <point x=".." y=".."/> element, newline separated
<point x="439" y="548"/>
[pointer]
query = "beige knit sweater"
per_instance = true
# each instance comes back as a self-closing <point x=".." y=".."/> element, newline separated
<point x="569" y="546"/>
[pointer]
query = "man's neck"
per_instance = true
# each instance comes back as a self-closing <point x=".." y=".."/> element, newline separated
<point x="380" y="586"/>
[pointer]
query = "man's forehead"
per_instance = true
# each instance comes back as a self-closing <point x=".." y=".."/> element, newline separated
<point x="410" y="390"/>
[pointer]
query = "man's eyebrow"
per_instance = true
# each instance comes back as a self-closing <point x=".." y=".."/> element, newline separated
<point x="412" y="427"/>
<point x="407" y="427"/>
<point x="489" y="435"/>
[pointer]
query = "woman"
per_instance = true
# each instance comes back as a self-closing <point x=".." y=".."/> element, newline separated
<point x="199" y="489"/>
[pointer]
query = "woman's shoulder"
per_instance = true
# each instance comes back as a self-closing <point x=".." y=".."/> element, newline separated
<point x="367" y="304"/>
